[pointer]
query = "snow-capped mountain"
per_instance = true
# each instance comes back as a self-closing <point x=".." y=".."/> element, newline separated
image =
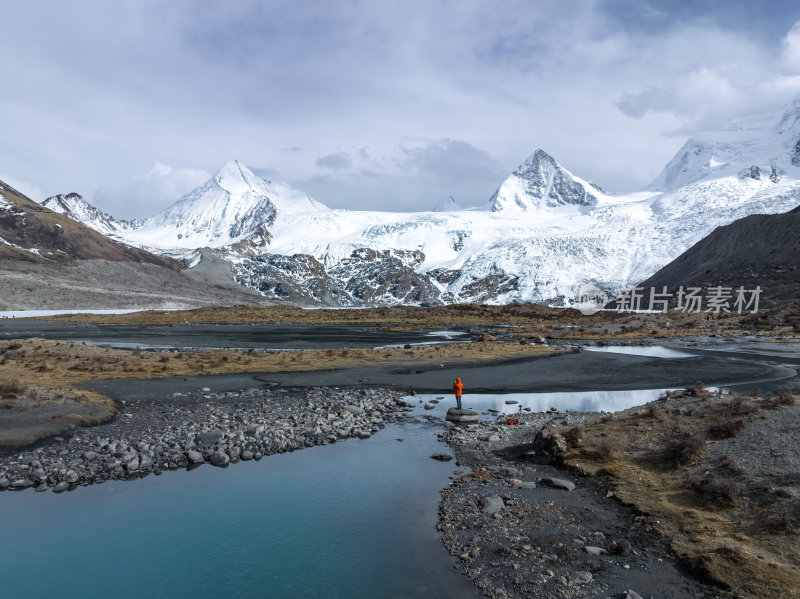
<point x="542" y="234"/>
<point x="74" y="206"/>
<point x="539" y="185"/>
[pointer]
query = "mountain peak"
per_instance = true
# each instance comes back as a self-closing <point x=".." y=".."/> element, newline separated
<point x="236" y="179"/>
<point x="539" y="184"/>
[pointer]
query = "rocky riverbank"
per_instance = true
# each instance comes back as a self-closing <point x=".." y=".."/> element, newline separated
<point x="181" y="430"/>
<point x="527" y="529"/>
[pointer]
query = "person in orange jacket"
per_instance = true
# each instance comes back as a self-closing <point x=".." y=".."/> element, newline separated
<point x="458" y="389"/>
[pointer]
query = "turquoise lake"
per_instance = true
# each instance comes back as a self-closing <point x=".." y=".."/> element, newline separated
<point x="353" y="519"/>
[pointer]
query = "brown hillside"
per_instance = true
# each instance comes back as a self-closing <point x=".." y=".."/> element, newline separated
<point x="33" y="233"/>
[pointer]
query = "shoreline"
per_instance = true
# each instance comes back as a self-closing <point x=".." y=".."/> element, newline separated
<point x="184" y="430"/>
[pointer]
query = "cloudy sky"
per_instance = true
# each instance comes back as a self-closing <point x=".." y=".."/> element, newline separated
<point x="373" y="104"/>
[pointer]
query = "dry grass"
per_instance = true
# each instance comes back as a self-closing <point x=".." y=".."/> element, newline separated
<point x="73" y="363"/>
<point x="746" y="545"/>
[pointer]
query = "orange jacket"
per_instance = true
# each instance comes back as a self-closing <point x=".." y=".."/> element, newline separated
<point x="458" y="387"/>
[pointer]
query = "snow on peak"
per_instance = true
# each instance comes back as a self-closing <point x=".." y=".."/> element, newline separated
<point x="541" y="184"/>
<point x="75" y="207"/>
<point x="237" y="179"/>
<point x="449" y="205"/>
<point x="765" y="143"/>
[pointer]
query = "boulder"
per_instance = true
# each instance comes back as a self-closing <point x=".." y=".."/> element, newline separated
<point x="220" y="459"/>
<point x="492" y="504"/>
<point x="463" y="415"/>
<point x="558" y="483"/>
<point x="22" y="483"/>
<point x="194" y="457"/>
<point x="549" y="441"/>
<point x="209" y="437"/>
<point x="580" y="578"/>
<point x="442" y="457"/>
<point x="71" y="477"/>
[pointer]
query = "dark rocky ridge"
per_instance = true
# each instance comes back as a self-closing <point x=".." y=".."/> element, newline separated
<point x="758" y="250"/>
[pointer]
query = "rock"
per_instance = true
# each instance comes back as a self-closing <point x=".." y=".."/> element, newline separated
<point x="493" y="438"/>
<point x="486" y="337"/>
<point x="70" y="477"/>
<point x="205" y="390"/>
<point x="463" y="415"/>
<point x="632" y="595"/>
<point x="133" y="465"/>
<point x="558" y="483"/>
<point x="354" y="410"/>
<point x="220" y="459"/>
<point x="364" y="434"/>
<point x="22" y="483"/>
<point x="429" y="406"/>
<point x="526" y="485"/>
<point x="511" y="401"/>
<point x="579" y="578"/>
<point x="592" y="550"/>
<point x="492" y="504"/>
<point x="442" y="457"/>
<point x="549" y="441"/>
<point x="209" y="437"/>
<point x="41" y="487"/>
<point x="194" y="457"/>
<point x="247" y="455"/>
<point x="61" y="487"/>
<point x="4" y="483"/>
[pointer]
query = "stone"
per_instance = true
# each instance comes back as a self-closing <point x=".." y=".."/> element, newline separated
<point x="526" y="484"/>
<point x="364" y="434"/>
<point x="442" y="457"/>
<point x="4" y="483"/>
<point x="632" y="595"/>
<point x="61" y="487"/>
<point x="463" y="415"/>
<point x="579" y="578"/>
<point x="429" y="406"/>
<point x="492" y="504"/>
<point x="592" y="550"/>
<point x="220" y="459"/>
<point x="549" y="441"/>
<point x="22" y="483"/>
<point x="70" y="477"/>
<point x="209" y="437"/>
<point x="354" y="410"/>
<point x="557" y="483"/>
<point x="41" y="487"/>
<point x="247" y="455"/>
<point x="133" y="465"/>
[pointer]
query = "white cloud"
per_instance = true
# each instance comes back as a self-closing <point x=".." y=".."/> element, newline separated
<point x="24" y="187"/>
<point x="148" y="193"/>
<point x="790" y="48"/>
<point x="288" y="87"/>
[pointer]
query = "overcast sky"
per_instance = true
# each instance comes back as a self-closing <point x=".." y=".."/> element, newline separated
<point x="374" y="104"/>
